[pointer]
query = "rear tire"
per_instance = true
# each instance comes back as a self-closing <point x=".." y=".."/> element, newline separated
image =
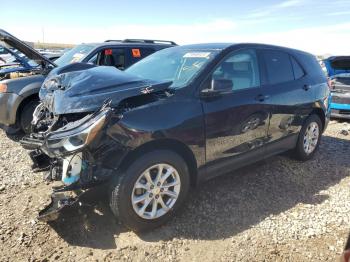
<point x="309" y="138"/>
<point x="26" y="116"/>
<point x="145" y="179"/>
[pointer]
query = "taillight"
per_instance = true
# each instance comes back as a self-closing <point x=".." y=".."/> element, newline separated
<point x="3" y="88"/>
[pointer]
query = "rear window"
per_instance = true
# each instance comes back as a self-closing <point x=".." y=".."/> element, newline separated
<point x="278" y="66"/>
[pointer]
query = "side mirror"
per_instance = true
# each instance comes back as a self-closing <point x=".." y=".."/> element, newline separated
<point x="218" y="86"/>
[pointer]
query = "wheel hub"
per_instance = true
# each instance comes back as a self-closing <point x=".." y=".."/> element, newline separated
<point x="156" y="191"/>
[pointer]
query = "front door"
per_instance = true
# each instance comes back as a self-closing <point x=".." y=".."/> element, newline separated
<point x="236" y="123"/>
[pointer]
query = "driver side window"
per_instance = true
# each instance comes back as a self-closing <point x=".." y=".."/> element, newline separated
<point x="241" y="68"/>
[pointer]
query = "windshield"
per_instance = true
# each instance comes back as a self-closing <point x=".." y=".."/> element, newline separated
<point x="76" y="54"/>
<point x="177" y="64"/>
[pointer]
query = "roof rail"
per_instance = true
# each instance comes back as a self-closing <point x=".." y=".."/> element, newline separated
<point x="149" y="41"/>
<point x="112" y="40"/>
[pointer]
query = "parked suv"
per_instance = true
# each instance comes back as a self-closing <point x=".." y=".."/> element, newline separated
<point x="19" y="92"/>
<point x="176" y="118"/>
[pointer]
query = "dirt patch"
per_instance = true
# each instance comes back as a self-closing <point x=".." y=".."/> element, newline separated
<point x="279" y="209"/>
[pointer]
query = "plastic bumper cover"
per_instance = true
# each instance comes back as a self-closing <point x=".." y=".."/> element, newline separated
<point x="59" y="202"/>
<point x="340" y="110"/>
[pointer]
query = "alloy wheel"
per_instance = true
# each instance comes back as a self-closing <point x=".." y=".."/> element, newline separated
<point x="155" y="191"/>
<point x="311" y="137"/>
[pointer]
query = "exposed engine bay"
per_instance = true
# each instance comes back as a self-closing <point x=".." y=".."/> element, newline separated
<point x="17" y="61"/>
<point x="15" y="75"/>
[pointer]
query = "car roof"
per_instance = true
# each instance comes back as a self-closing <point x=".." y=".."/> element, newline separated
<point x="218" y="46"/>
<point x="222" y="46"/>
<point x="126" y="44"/>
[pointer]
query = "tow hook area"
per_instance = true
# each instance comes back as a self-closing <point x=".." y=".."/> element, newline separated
<point x="59" y="201"/>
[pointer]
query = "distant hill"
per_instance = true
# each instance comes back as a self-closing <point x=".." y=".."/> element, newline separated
<point x="52" y="46"/>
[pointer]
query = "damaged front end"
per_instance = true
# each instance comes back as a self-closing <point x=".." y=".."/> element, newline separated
<point x="66" y="155"/>
<point x="71" y="144"/>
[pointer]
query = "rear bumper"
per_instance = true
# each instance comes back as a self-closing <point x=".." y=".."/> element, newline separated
<point x="344" y="114"/>
<point x="340" y="110"/>
<point x="9" y="103"/>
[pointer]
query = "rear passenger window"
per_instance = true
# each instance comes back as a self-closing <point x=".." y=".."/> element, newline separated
<point x="278" y="66"/>
<point x="146" y="51"/>
<point x="298" y="71"/>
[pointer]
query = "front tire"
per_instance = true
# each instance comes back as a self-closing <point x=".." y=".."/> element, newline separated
<point x="147" y="194"/>
<point x="26" y="116"/>
<point x="309" y="138"/>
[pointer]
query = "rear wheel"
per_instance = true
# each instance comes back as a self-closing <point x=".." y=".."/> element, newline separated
<point x="150" y="190"/>
<point x="26" y="116"/>
<point x="309" y="138"/>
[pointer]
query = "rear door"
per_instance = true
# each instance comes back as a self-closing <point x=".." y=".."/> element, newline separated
<point x="289" y="95"/>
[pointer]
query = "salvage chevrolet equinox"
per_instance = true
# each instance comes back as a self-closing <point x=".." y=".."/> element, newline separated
<point x="176" y="118"/>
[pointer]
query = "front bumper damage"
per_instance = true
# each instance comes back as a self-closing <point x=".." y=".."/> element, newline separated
<point x="60" y="201"/>
<point x="77" y="168"/>
<point x="76" y="174"/>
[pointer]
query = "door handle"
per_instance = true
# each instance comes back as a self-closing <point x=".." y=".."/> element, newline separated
<point x="306" y="87"/>
<point x="261" y="98"/>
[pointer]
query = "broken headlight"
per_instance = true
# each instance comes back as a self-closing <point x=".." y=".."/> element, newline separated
<point x="52" y="84"/>
<point x="73" y="137"/>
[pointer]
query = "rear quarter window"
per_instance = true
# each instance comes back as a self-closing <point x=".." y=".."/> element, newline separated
<point x="139" y="53"/>
<point x="278" y="66"/>
<point x="312" y="67"/>
<point x="297" y="69"/>
<point x="135" y="54"/>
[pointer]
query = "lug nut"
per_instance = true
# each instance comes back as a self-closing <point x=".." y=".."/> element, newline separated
<point x="162" y="189"/>
<point x="157" y="196"/>
<point x="158" y="184"/>
<point x="151" y="195"/>
<point x="152" y="187"/>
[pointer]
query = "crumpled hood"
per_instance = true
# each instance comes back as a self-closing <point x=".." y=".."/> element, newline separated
<point x="86" y="90"/>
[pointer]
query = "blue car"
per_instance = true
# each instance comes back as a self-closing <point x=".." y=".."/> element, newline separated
<point x="338" y="69"/>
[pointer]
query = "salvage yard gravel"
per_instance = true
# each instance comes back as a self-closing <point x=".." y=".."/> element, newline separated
<point x="276" y="210"/>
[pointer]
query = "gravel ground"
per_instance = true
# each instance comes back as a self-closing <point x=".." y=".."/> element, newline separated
<point x="280" y="210"/>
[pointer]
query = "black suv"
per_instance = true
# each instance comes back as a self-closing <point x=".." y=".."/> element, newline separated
<point x="178" y="117"/>
<point x="19" y="91"/>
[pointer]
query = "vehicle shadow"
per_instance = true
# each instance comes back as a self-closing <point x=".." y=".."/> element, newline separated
<point x="227" y="205"/>
<point x="89" y="224"/>
<point x="16" y="137"/>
